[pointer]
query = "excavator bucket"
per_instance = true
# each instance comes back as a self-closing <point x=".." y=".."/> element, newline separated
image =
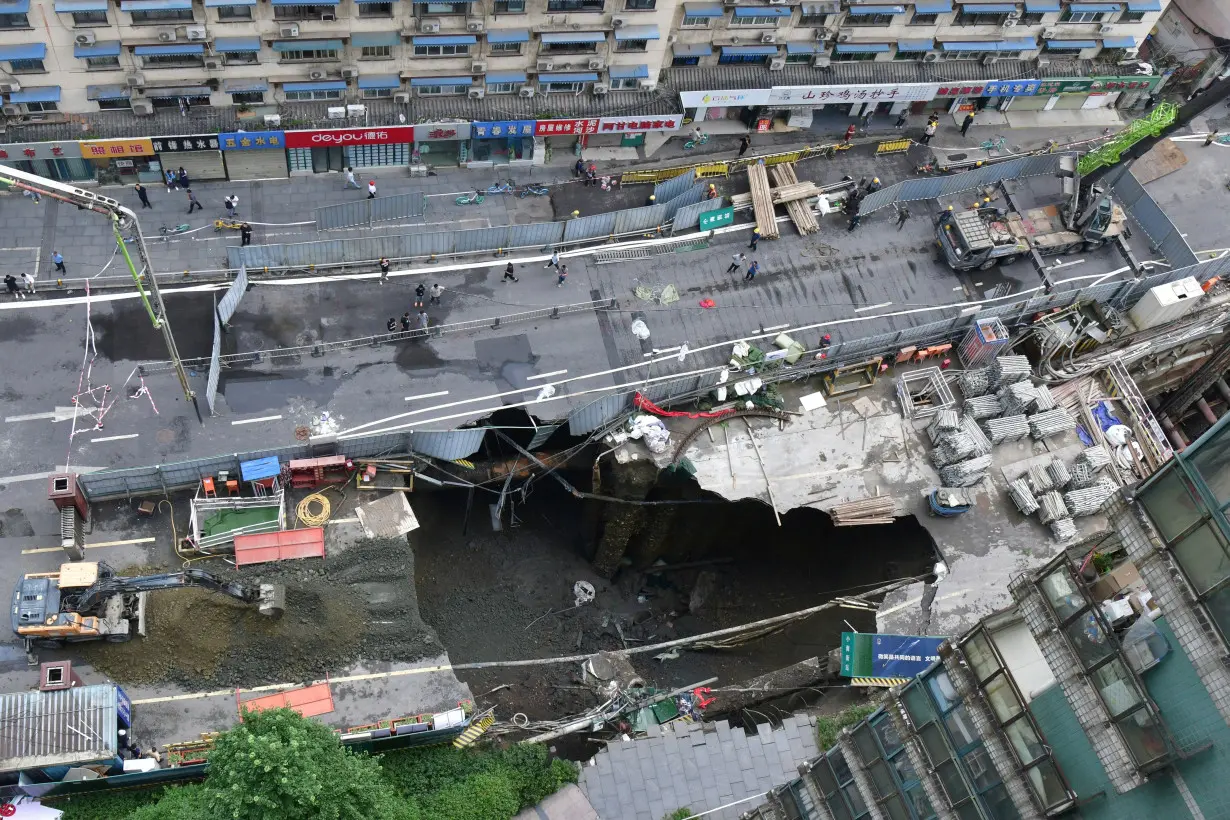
<point x="272" y="601"/>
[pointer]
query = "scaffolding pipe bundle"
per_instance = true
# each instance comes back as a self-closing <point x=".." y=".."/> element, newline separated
<point x="983" y="407"/>
<point x="1051" y="507"/>
<point x="1051" y="423"/>
<point x="1017" y="398"/>
<point x="970" y="427"/>
<point x="1091" y="499"/>
<point x="942" y="422"/>
<point x="1009" y="369"/>
<point x="953" y="447"/>
<point x="974" y="382"/>
<point x="1058" y="471"/>
<point x="1022" y="496"/>
<point x="1010" y="428"/>
<point x="1064" y="529"/>
<point x="1039" y="479"/>
<point x="1043" y="398"/>
<point x="1082" y="475"/>
<point x="1096" y="457"/>
<point x="965" y="473"/>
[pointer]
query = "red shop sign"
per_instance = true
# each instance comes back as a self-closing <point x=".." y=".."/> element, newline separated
<point x="350" y="136"/>
<point x="551" y="128"/>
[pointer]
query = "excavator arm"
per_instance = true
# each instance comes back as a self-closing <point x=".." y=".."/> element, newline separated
<point x="94" y="595"/>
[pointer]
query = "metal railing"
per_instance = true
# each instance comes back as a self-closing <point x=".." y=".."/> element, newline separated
<point x="370" y="211"/>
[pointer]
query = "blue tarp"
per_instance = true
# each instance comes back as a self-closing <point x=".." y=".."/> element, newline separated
<point x="259" y="468"/>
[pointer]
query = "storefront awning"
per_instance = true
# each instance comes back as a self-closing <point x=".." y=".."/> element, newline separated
<point x="306" y="2"/>
<point x="1119" y="42"/>
<point x="1018" y="44"/>
<point x="70" y="6"/>
<point x="380" y="81"/>
<point x="169" y="49"/>
<point x="25" y="51"/>
<point x="987" y="8"/>
<point x="103" y="48"/>
<point x="915" y="45"/>
<point x="211" y="4"/>
<point x="573" y="77"/>
<point x="512" y="35"/>
<point x="506" y="77"/>
<point x="417" y="82"/>
<point x="858" y="10"/>
<point x="933" y="6"/>
<point x="1041" y="5"/>
<point x="854" y="48"/>
<point x="637" y="33"/>
<point x="692" y="49"/>
<point x="183" y="91"/>
<point x="107" y="92"/>
<point x="15" y="7"/>
<point x="155" y="5"/>
<point x="237" y="45"/>
<point x="1139" y="5"/>
<point x="762" y="11"/>
<point x="242" y="86"/>
<point x="445" y="40"/>
<point x="1094" y="8"/>
<point x="307" y="45"/>
<point x="973" y="46"/>
<point x="749" y="51"/>
<point x="702" y="10"/>
<point x="326" y="85"/>
<point x="47" y="93"/>
<point x="1071" y="44"/>
<point x="375" y="38"/>
<point x="629" y="72"/>
<point x="802" y="48"/>
<point x="556" y="38"/>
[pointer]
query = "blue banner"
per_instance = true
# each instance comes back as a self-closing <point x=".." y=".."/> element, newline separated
<point x="903" y="656"/>
<point x="123" y="707"/>
<point x="497" y="130"/>
<point x="1011" y="88"/>
<point x="252" y="141"/>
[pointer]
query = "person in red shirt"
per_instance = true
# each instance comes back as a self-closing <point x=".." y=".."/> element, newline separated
<point x="850" y="132"/>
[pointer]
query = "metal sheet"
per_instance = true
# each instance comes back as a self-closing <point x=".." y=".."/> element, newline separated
<point x="215" y="366"/>
<point x="535" y="235"/>
<point x="689" y="197"/>
<point x="479" y="239"/>
<point x="589" y="227"/>
<point x="689" y="216"/>
<point x="230" y="299"/>
<point x="541" y="435"/>
<point x="664" y="191"/>
<point x="640" y="219"/>
<point x="597" y="413"/>
<point x="286" y="545"/>
<point x="1163" y="234"/>
<point x="449" y="445"/>
<point x="60" y="728"/>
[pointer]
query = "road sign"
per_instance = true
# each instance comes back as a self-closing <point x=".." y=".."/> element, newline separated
<point x="716" y="219"/>
<point x="886" y="656"/>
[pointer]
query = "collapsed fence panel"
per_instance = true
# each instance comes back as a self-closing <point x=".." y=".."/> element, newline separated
<point x="598" y="413"/>
<point x="671" y="188"/>
<point x="230" y="300"/>
<point x="589" y="227"/>
<point x="1129" y="193"/>
<point x="215" y="366"/>
<point x="345" y="215"/>
<point x="689" y="216"/>
<point x="689" y="197"/>
<point x="448" y="445"/>
<point x="935" y="187"/>
<point x="640" y="219"/>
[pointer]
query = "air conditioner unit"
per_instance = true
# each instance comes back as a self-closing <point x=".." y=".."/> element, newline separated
<point x="821" y="61"/>
<point x="844" y="35"/>
<point x="1105" y="29"/>
<point x="273" y="119"/>
<point x="289" y="30"/>
<point x="142" y="108"/>
<point x="600" y="89"/>
<point x="474" y="25"/>
<point x="195" y="32"/>
<point x="9" y="88"/>
<point x="1015" y="13"/>
<point x="646" y="85"/>
<point x="337" y="112"/>
<point x="778" y="2"/>
<point x="596" y="65"/>
<point x="525" y="91"/>
<point x="350" y="73"/>
<point x="476" y="93"/>
<point x="12" y="110"/>
<point x="317" y="74"/>
<point x="768" y="37"/>
<point x="989" y="59"/>
<point x="777" y="64"/>
<point x="478" y="68"/>
<point x="1009" y="23"/>
<point x="85" y="38"/>
<point x="328" y="17"/>
<point x="544" y="65"/>
<point x="402" y="97"/>
<point x="135" y="80"/>
<point x="619" y="22"/>
<point x="1044" y="61"/>
<point x="1049" y="33"/>
<point x="356" y="111"/>
<point x="429" y="26"/>
<point x="1131" y="53"/>
<point x="730" y="2"/>
<point x="166" y="35"/>
<point x="213" y="63"/>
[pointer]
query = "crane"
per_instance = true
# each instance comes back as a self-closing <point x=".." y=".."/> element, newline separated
<point x="122" y="219"/>
<point x="88" y="601"/>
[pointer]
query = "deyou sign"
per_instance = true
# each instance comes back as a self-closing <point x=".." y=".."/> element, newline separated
<point x="350" y="136"/>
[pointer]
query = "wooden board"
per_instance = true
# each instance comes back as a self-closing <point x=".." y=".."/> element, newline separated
<point x="762" y="201"/>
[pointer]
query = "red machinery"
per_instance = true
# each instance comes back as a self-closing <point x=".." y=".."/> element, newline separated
<point x="310" y="473"/>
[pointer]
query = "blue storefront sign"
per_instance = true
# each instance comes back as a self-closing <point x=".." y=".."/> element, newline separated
<point x="252" y="141"/>
<point x="123" y="707"/>
<point x="903" y="656"/>
<point x="1011" y="88"/>
<point x="497" y="130"/>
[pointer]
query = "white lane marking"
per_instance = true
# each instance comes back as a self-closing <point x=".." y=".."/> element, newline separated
<point x="776" y="327"/>
<point x="869" y="307"/>
<point x="427" y="395"/>
<point x="545" y="375"/>
<point x="113" y="438"/>
<point x="29" y="417"/>
<point x="15" y="479"/>
<point x="107" y="297"/>
<point x="253" y="421"/>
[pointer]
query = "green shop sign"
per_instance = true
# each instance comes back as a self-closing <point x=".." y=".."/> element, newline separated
<point x="716" y="219"/>
<point x="1093" y="85"/>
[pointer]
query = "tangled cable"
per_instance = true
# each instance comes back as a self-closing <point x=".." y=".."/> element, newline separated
<point x="305" y="514"/>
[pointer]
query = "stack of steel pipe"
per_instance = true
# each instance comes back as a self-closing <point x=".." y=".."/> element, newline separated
<point x="1082" y="475"/>
<point x="1017" y="398"/>
<point x="965" y="473"/>
<point x="1039" y="479"/>
<point x="1051" y="423"/>
<point x="1022" y="496"/>
<point x="1043" y="398"/>
<point x="944" y="421"/>
<point x="981" y="442"/>
<point x="1096" y="457"/>
<point x="1009" y="369"/>
<point x="1051" y="507"/>
<point x="953" y="447"/>
<point x="983" y="407"/>
<point x="975" y="382"/>
<point x="1009" y="428"/>
<point x="1089" y="500"/>
<point x="1064" y="529"/>
<point x="1058" y="471"/>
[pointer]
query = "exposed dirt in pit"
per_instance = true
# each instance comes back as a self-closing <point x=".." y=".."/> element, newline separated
<point x="359" y="603"/>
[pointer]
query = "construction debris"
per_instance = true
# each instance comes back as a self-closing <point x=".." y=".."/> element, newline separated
<point x="974" y="382"/>
<point x="762" y="200"/>
<point x="1095" y="457"/>
<point x="1091" y="499"/>
<point x="1021" y="495"/>
<point x="1011" y="428"/>
<point x="878" y="510"/>
<point x="965" y="473"/>
<point x="1051" y="423"/>
<point x="1009" y="369"/>
<point x="1064" y="529"/>
<point x="803" y="216"/>
<point x="1051" y="507"/>
<point x="1058" y="471"/>
<point x="983" y="407"/>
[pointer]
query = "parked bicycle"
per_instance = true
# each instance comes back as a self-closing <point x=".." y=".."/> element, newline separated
<point x="475" y="198"/>
<point x="164" y="231"/>
<point x="696" y="143"/>
<point x="996" y="144"/>
<point x="505" y="187"/>
<point x="535" y="189"/>
<point x="221" y="225"/>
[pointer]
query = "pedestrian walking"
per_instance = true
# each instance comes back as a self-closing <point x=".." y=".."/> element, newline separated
<point x="436" y="293"/>
<point x="508" y="274"/>
<point x="58" y="259"/>
<point x="738" y="261"/>
<point x="245" y="234"/>
<point x="854" y="221"/>
<point x="232" y="205"/>
<point x="184" y="182"/>
<point x="755" y="238"/>
<point x="578" y="170"/>
<point x="901" y="118"/>
<point x="903" y="213"/>
<point x="966" y="123"/>
<point x="172" y="182"/>
<point x="10" y="284"/>
<point x="33" y="196"/>
<point x="554" y="261"/>
<point x="350" y="181"/>
<point x="424" y="322"/>
<point x="419" y="294"/>
<point x="27" y="280"/>
<point x="371" y="189"/>
<point x="391" y="325"/>
<point x="745" y="142"/>
<point x="142" y="195"/>
<point x="405" y="321"/>
<point x="752" y="270"/>
<point x="193" y="202"/>
<point x="384" y="270"/>
<point x="563" y="276"/>
<point x="850" y="132"/>
<point x="929" y="132"/>
<point x="1209" y="137"/>
<point x="866" y="118"/>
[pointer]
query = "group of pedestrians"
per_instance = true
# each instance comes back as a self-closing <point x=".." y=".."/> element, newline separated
<point x="26" y="287"/>
<point x="352" y="183"/>
<point x="586" y="173"/>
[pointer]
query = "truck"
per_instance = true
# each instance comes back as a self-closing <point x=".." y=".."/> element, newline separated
<point x="89" y="601"/>
<point x="981" y="238"/>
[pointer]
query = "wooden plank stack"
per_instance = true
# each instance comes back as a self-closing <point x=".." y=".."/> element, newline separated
<point x="762" y="201"/>
<point x="878" y="510"/>
<point x="786" y="178"/>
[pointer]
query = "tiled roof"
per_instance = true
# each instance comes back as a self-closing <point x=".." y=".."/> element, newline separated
<point x="545" y="106"/>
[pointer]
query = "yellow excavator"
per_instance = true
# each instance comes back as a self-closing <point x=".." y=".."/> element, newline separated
<point x="87" y="601"/>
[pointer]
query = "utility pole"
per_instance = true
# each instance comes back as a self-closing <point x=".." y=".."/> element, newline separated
<point x="122" y="219"/>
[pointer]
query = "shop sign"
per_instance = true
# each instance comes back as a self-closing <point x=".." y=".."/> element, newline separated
<point x="101" y="149"/>
<point x="555" y="128"/>
<point x="123" y="706"/>
<point x="628" y="125"/>
<point x="193" y="142"/>
<point x="833" y="94"/>
<point x="252" y="141"/>
<point x="724" y="99"/>
<point x="877" y="655"/>
<point x="1086" y="85"/>
<point x="496" y="130"/>
<point x="123" y="163"/>
<point x="716" y="219"/>
<point x="995" y="88"/>
<point x="40" y="150"/>
<point x="335" y="137"/>
<point x="442" y="131"/>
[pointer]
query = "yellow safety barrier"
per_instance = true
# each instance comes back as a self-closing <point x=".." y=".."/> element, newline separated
<point x="711" y="170"/>
<point x="892" y="147"/>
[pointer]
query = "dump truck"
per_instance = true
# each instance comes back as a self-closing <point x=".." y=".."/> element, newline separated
<point x="88" y="601"/>
<point x="983" y="237"/>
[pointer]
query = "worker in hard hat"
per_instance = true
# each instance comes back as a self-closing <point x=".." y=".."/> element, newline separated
<point x="712" y="193"/>
<point x="874" y="185"/>
<point x="652" y="199"/>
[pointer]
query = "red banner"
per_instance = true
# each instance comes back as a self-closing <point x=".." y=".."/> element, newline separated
<point x="551" y="128"/>
<point x="350" y="136"/>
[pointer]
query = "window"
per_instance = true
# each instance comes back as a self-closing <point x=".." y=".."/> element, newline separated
<point x="640" y="5"/>
<point x="575" y="5"/>
<point x="754" y="21"/>
<point x="120" y="104"/>
<point x="378" y="93"/>
<point x="234" y="14"/>
<point x="568" y="48"/>
<point x="727" y="58"/>
<point x="966" y="55"/>
<point x="623" y="84"/>
<point x="241" y="58"/>
<point x="1070" y="16"/>
<point x="503" y="49"/>
<point x="26" y="67"/>
<point x="310" y="54"/>
<point x="1030" y="18"/>
<point x="376" y="53"/>
<point x="906" y="54"/>
<point x="696" y="22"/>
<point x="248" y="97"/>
<point x="852" y="56"/>
<point x="798" y="58"/>
<point x="14" y="21"/>
<point x="435" y="9"/>
<point x="375" y="9"/>
<point x="556" y="88"/>
<point x="1130" y="16"/>
<point x="442" y="90"/>
<point x="510" y="6"/>
<point x="308" y="96"/>
<point x="868" y="20"/>
<point x="102" y="63"/>
<point x="441" y="51"/>
<point x="1062" y="51"/>
<point x="796" y="800"/>
<point x="680" y="61"/>
<point x="922" y="19"/>
<point x="160" y="17"/>
<point x="817" y="20"/>
<point x="971" y="18"/>
<point x="167" y="103"/>
<point x="631" y="45"/>
<point x="93" y="18"/>
<point x="305" y="12"/>
<point x="41" y="107"/>
<point x="171" y="60"/>
<point x="501" y="88"/>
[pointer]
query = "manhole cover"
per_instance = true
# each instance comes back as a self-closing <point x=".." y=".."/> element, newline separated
<point x="164" y="436"/>
<point x="303" y="433"/>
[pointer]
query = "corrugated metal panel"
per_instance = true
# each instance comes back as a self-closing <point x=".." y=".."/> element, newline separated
<point x="1129" y="193"/>
<point x="535" y="235"/>
<point x="62" y="728"/>
<point x="589" y="227"/>
<point x="665" y="191"/>
<point x="448" y="445"/>
<point x="479" y="239"/>
<point x="230" y="299"/>
<point x="640" y="219"/>
<point x="402" y="206"/>
<point x="344" y="215"/>
<point x="685" y="199"/>
<point x="689" y="216"/>
<point x="597" y="413"/>
<point x="215" y="367"/>
<point x="368" y="211"/>
<point x="541" y="435"/>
